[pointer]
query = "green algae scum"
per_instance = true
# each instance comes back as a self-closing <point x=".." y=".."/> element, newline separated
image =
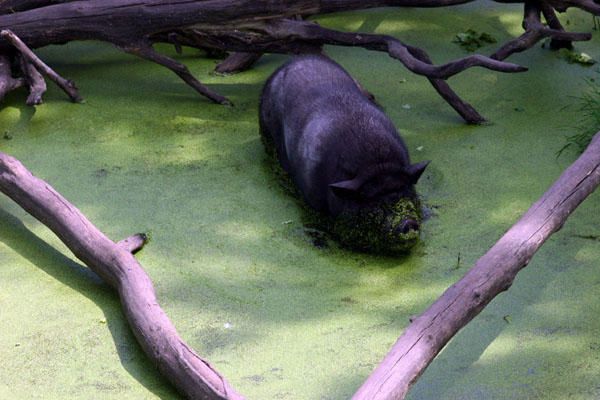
<point x="229" y="258"/>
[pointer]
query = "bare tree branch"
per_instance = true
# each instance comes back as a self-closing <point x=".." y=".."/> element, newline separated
<point x="7" y="82"/>
<point x="249" y="28"/>
<point x="145" y="50"/>
<point x="66" y="85"/>
<point x="492" y="274"/>
<point x="114" y="263"/>
<point x="536" y="31"/>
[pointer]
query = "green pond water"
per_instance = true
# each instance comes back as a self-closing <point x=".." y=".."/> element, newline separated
<point x="232" y="264"/>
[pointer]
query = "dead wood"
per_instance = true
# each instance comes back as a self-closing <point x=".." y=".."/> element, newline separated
<point x="31" y="60"/>
<point x="115" y="264"/>
<point x="237" y="62"/>
<point x="8" y="83"/>
<point x="492" y="274"/>
<point x="535" y="31"/>
<point x="250" y="27"/>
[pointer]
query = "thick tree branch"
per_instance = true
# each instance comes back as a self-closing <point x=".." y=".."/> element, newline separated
<point x="190" y="374"/>
<point x="66" y="85"/>
<point x="7" y="82"/>
<point x="587" y="5"/>
<point x="279" y="35"/>
<point x="493" y="273"/>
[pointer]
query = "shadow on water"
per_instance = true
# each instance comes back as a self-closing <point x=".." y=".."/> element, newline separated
<point x="26" y="113"/>
<point x="461" y="358"/>
<point x="15" y="235"/>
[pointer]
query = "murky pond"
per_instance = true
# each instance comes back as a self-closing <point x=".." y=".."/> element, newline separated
<point x="239" y="274"/>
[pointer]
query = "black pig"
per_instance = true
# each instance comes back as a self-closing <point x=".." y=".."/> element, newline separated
<point x="342" y="153"/>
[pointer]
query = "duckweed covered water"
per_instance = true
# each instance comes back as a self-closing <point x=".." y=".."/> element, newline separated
<point x="230" y="258"/>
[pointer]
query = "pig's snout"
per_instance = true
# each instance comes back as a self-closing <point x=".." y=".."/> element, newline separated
<point x="407" y="225"/>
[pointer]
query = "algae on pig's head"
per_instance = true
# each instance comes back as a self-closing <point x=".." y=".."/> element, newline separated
<point x="379" y="229"/>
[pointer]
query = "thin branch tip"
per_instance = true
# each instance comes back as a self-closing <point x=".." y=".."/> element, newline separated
<point x="134" y="243"/>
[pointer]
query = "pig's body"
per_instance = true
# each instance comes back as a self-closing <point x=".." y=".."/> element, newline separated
<point x="341" y="151"/>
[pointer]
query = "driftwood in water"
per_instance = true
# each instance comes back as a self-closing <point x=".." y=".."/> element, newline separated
<point x="115" y="264"/>
<point x="248" y="28"/>
<point x="492" y="274"/>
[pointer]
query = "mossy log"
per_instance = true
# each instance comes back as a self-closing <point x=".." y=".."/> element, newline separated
<point x="247" y="28"/>
<point x="492" y="274"/>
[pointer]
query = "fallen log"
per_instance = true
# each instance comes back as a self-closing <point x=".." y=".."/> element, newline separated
<point x="115" y="264"/>
<point x="250" y="28"/>
<point x="492" y="274"/>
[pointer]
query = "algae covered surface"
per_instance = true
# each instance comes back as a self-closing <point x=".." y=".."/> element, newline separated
<point x="233" y="265"/>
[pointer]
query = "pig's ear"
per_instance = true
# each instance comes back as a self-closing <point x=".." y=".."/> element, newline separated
<point x="347" y="188"/>
<point x="416" y="170"/>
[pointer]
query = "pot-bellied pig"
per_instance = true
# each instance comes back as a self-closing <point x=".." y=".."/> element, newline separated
<point x="343" y="154"/>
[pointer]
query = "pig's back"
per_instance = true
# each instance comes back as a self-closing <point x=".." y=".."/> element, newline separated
<point x="323" y="126"/>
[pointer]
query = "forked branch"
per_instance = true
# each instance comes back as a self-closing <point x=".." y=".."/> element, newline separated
<point x="66" y="85"/>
